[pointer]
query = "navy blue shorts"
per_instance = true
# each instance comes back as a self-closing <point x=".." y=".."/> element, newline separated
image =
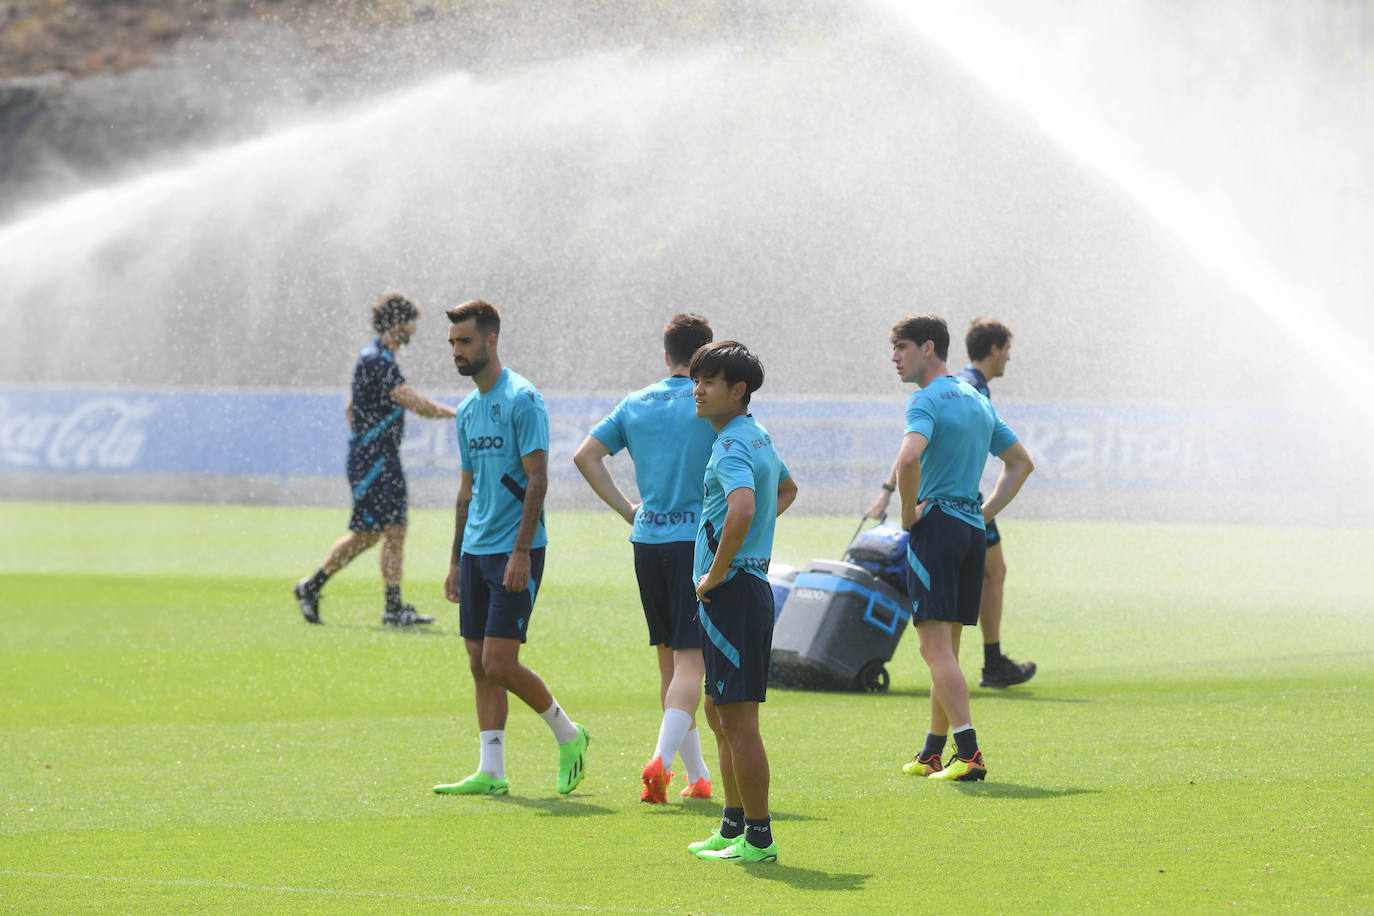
<point x="379" y="493"/>
<point x="485" y="608"/>
<point x="994" y="536"/>
<point x="737" y="630"/>
<point x="668" y="593"/>
<point x="945" y="568"/>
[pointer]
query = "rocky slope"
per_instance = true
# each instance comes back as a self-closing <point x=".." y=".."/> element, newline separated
<point x="89" y="88"/>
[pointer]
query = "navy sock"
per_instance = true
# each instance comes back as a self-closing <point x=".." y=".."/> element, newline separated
<point x="759" y="834"/>
<point x="935" y="744"/>
<point x="992" y="651"/>
<point x="731" y="822"/>
<point x="317" y="581"/>
<point x="966" y="743"/>
<point x="393" y="597"/>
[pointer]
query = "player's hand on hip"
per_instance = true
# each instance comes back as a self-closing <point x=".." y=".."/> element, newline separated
<point x="706" y="584"/>
<point x="917" y="514"/>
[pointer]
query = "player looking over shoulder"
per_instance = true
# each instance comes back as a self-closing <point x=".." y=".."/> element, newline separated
<point x="950" y="430"/>
<point x="989" y="349"/>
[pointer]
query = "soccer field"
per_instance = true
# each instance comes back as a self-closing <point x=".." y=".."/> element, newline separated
<point x="174" y="738"/>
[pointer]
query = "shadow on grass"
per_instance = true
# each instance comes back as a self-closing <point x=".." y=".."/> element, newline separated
<point x="420" y="630"/>
<point x="1021" y="696"/>
<point x="1012" y="790"/>
<point x="808" y="879"/>
<point x="557" y="807"/>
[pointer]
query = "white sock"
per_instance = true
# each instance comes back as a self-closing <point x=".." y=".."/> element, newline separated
<point x="558" y="721"/>
<point x="690" y="749"/>
<point x="670" y="734"/>
<point x="962" y="728"/>
<point x="493" y="761"/>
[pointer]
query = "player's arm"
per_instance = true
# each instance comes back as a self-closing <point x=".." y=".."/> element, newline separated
<point x="787" y="494"/>
<point x="452" y="584"/>
<point x="739" y="515"/>
<point x="415" y="402"/>
<point x="909" y="477"/>
<point x="1016" y="467"/>
<point x="879" y="508"/>
<point x="536" y="465"/>
<point x="348" y="414"/>
<point x="590" y="459"/>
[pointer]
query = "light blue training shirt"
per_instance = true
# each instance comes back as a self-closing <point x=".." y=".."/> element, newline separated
<point x="670" y="446"/>
<point x="962" y="429"/>
<point x="743" y="456"/>
<point x="495" y="430"/>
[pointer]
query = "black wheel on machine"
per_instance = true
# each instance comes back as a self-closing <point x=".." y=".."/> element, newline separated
<point x="873" y="677"/>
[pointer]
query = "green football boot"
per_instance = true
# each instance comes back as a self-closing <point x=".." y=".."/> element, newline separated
<point x="923" y="766"/>
<point x="478" y="783"/>
<point x="714" y="844"/>
<point x="572" y="764"/>
<point x="960" y="769"/>
<point x="741" y="850"/>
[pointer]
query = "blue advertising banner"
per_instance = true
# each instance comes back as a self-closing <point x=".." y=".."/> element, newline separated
<point x="840" y="446"/>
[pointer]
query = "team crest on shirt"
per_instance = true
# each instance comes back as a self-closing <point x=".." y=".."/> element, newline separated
<point x="496" y="413"/>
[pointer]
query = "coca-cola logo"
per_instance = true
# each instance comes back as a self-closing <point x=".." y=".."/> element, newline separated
<point x="97" y="434"/>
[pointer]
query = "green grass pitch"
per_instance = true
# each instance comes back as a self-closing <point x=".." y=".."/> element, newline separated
<point x="173" y="738"/>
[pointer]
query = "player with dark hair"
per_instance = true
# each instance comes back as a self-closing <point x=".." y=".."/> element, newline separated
<point x="950" y="430"/>
<point x="497" y="562"/>
<point x="989" y="348"/>
<point x="988" y="344"/>
<point x="669" y="445"/>
<point x="376" y="417"/>
<point x="747" y="487"/>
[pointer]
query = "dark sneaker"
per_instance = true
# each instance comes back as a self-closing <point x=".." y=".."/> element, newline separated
<point x="309" y="601"/>
<point x="961" y="769"/>
<point x="1006" y="672"/>
<point x="407" y="616"/>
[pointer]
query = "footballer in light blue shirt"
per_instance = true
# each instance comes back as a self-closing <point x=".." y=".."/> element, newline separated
<point x="669" y="445"/>
<point x="497" y="562"/>
<point x="950" y="429"/>
<point x="747" y="487"/>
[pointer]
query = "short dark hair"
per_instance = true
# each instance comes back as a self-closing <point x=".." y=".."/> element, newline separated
<point x="920" y="328"/>
<point x="488" y="318"/>
<point x="392" y="309"/>
<point x="731" y="359"/>
<point x="684" y="335"/>
<point x="984" y="334"/>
